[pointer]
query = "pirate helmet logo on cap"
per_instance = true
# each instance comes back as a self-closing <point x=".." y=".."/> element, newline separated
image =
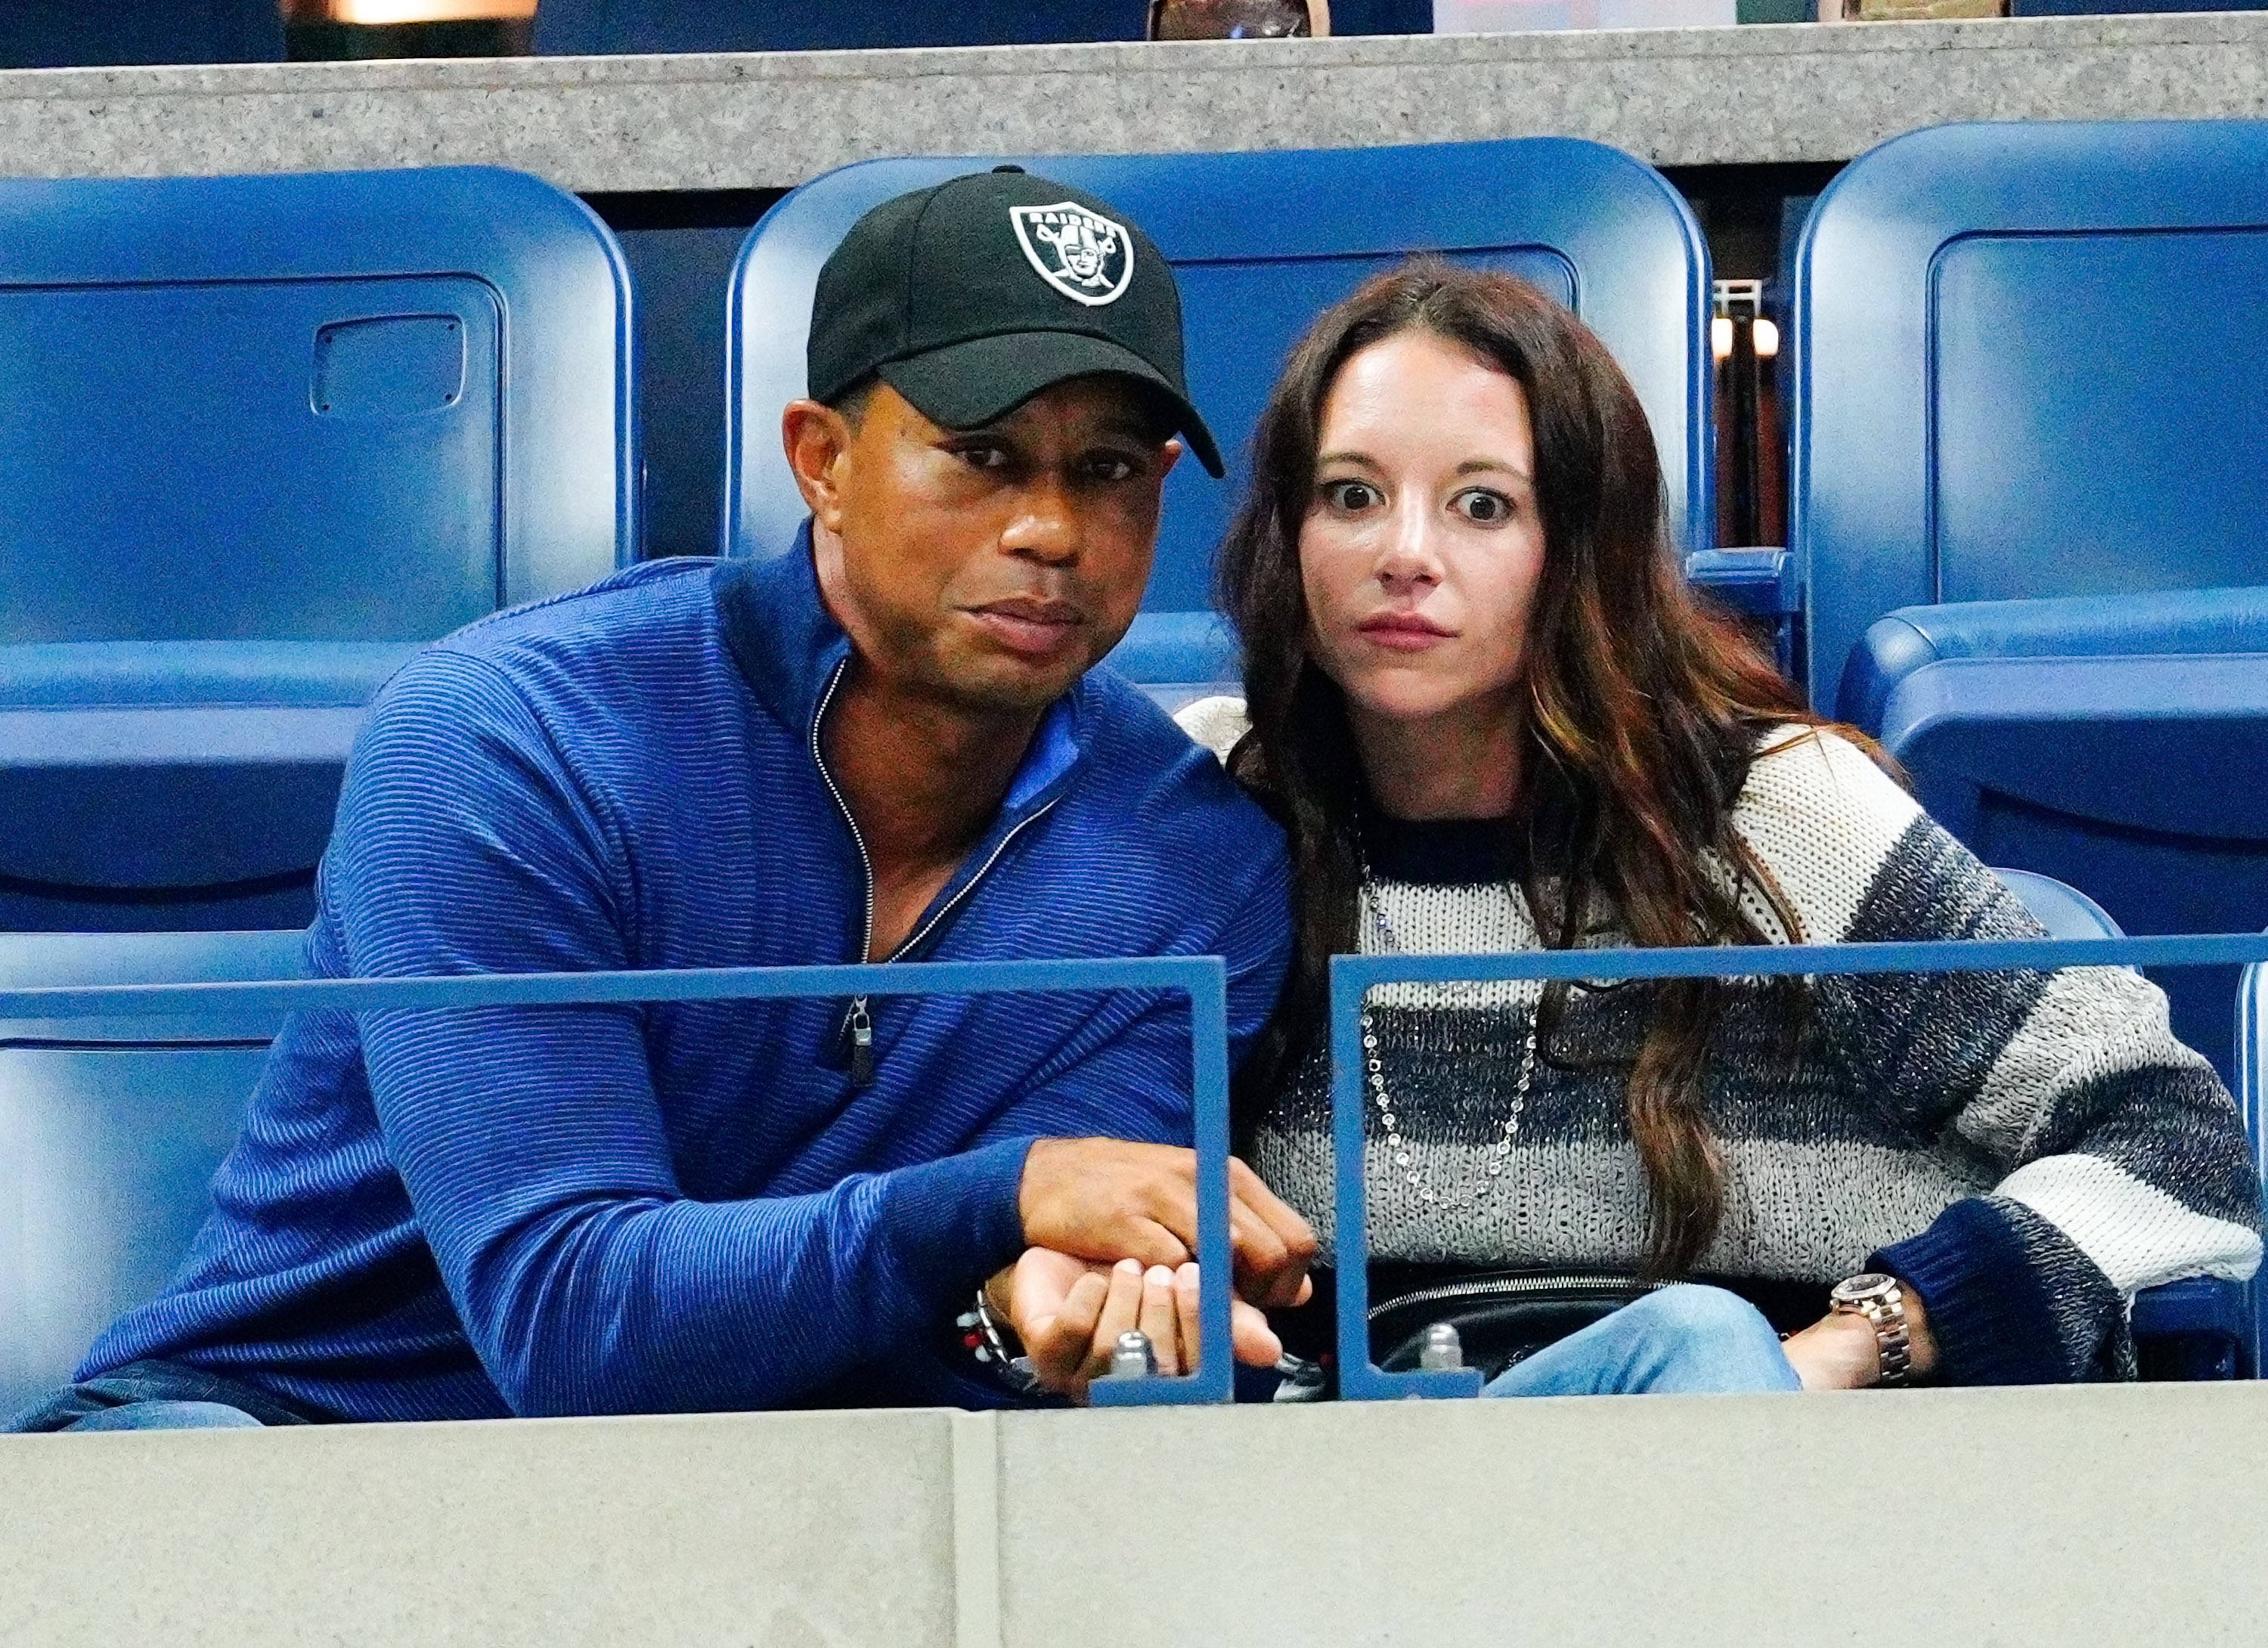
<point x="1081" y="253"/>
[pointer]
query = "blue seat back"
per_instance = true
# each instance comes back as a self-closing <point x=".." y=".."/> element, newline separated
<point x="354" y="407"/>
<point x="1260" y="243"/>
<point x="262" y="435"/>
<point x="2028" y="362"/>
<point x="110" y="1132"/>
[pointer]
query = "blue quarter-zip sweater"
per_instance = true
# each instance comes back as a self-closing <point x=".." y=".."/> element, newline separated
<point x="687" y="1206"/>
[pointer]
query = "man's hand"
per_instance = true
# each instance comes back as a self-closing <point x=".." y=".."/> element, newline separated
<point x="1069" y="1314"/>
<point x="1107" y="1200"/>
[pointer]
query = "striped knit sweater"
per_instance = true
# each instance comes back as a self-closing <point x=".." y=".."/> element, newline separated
<point x="2026" y="1150"/>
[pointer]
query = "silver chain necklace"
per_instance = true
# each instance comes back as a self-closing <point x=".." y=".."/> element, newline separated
<point x="1417" y="1173"/>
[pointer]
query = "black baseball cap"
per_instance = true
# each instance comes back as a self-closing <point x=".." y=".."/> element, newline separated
<point x="971" y="297"/>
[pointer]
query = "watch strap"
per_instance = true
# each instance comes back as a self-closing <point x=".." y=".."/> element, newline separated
<point x="1884" y="1308"/>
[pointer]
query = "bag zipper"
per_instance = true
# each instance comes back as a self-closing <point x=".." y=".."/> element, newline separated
<point x="857" y="1025"/>
<point x="1507" y="1287"/>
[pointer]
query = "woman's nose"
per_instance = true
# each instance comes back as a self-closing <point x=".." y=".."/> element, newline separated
<point x="1407" y="557"/>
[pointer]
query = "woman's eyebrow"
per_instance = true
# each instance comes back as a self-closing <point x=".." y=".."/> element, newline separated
<point x="1482" y="466"/>
<point x="1325" y="460"/>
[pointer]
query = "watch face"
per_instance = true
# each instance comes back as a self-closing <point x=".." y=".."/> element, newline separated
<point x="1857" y="1289"/>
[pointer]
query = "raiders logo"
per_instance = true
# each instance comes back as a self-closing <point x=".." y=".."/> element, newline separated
<point x="1082" y="254"/>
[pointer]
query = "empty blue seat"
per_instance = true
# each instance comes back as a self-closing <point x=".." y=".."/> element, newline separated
<point x="110" y="1132"/>
<point x="1260" y="243"/>
<point x="263" y="435"/>
<point x="2026" y="377"/>
<point x="2024" y="364"/>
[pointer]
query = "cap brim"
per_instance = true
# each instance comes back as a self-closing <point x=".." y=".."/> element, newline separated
<point x="965" y="386"/>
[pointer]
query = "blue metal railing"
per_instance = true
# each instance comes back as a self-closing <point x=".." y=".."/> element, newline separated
<point x="1203" y="979"/>
<point x="1354" y="977"/>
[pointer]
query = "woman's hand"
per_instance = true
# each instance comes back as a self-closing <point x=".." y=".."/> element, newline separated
<point x="1069" y="1311"/>
<point x="1838" y="1352"/>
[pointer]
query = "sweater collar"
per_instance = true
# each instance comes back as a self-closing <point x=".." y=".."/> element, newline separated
<point x="789" y="649"/>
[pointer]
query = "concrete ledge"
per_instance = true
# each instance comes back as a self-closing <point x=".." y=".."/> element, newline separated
<point x="2041" y="1517"/>
<point x="2106" y="1514"/>
<point x="789" y="1531"/>
<point x="1673" y="96"/>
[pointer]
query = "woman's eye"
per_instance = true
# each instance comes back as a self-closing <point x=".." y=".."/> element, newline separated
<point x="1482" y="507"/>
<point x="1351" y="496"/>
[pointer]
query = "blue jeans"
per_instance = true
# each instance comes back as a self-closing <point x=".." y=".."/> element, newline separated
<point x="1683" y="1339"/>
<point x="155" y="1395"/>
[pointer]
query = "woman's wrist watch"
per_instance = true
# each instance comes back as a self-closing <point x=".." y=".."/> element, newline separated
<point x="1882" y="1302"/>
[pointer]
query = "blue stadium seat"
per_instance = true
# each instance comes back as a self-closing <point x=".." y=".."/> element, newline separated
<point x="2198" y="1329"/>
<point x="2026" y="498"/>
<point x="2064" y="910"/>
<point x="1260" y="243"/>
<point x="110" y="1132"/>
<point x="262" y="436"/>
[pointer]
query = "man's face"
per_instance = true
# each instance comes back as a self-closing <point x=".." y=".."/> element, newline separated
<point x="989" y="568"/>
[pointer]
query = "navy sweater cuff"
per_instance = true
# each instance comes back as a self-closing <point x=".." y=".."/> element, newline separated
<point x="954" y="1221"/>
<point x="1988" y="1311"/>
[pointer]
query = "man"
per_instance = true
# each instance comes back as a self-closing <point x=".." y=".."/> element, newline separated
<point x="883" y="745"/>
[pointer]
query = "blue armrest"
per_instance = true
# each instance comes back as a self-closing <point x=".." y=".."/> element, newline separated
<point x="129" y="765"/>
<point x="2212" y="1319"/>
<point x="143" y="674"/>
<point x="1762" y="581"/>
<point x="2170" y="623"/>
<point x="2141" y="743"/>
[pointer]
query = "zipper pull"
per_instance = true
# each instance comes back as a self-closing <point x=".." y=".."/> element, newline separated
<point x="862" y="1044"/>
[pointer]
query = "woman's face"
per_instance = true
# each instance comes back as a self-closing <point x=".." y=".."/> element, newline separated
<point x="1422" y="548"/>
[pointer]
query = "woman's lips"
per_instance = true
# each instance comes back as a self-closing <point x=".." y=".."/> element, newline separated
<point x="1031" y="628"/>
<point x="1403" y="632"/>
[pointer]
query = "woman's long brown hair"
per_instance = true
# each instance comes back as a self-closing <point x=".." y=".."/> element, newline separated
<point x="1643" y="711"/>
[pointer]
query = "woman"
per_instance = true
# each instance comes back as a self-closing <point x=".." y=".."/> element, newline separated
<point x="1492" y="717"/>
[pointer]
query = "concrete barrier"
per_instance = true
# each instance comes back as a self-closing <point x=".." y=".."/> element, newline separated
<point x="1675" y="97"/>
<point x="788" y="1530"/>
<point x="2051" y="1516"/>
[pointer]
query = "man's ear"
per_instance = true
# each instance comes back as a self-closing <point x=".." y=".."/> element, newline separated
<point x="1171" y="452"/>
<point x="817" y="439"/>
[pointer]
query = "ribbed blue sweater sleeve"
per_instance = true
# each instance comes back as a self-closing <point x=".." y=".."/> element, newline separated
<point x="531" y="1140"/>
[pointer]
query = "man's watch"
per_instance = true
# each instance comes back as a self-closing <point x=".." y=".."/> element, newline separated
<point x="1882" y="1302"/>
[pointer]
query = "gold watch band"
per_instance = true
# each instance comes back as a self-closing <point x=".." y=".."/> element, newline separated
<point x="1883" y="1305"/>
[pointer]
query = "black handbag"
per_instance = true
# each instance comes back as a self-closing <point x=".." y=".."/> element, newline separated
<point x="1502" y="1317"/>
